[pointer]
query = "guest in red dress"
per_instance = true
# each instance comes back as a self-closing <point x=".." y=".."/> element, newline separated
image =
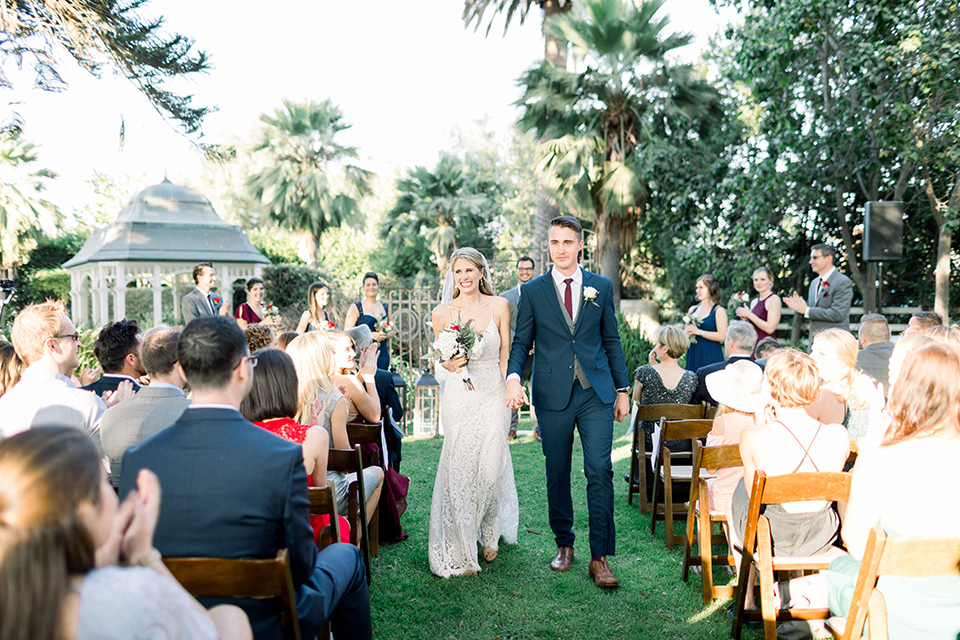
<point x="272" y="404"/>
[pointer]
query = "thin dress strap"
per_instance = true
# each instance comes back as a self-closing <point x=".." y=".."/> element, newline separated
<point x="806" y="450"/>
<point x="359" y="304"/>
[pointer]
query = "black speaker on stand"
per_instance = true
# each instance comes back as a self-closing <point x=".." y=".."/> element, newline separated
<point x="882" y="237"/>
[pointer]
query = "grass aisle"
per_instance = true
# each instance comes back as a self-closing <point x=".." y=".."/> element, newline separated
<point x="517" y="596"/>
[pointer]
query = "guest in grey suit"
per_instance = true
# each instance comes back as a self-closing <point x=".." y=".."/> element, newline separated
<point x="875" y="349"/>
<point x="154" y="408"/>
<point x="828" y="301"/>
<point x="525" y="272"/>
<point x="202" y="302"/>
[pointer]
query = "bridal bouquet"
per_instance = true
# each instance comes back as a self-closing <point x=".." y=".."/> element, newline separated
<point x="737" y="300"/>
<point x="383" y="325"/>
<point x="459" y="340"/>
<point x="689" y="318"/>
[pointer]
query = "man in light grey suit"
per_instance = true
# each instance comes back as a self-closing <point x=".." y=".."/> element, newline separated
<point x="154" y="408"/>
<point x="525" y="272"/>
<point x="202" y="302"/>
<point x="830" y="295"/>
<point x="875" y="349"/>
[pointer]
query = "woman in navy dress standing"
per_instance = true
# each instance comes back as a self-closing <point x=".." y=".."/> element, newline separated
<point x="708" y="330"/>
<point x="374" y="314"/>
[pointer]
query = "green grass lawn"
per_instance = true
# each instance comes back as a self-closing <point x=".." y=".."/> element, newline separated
<point x="518" y="596"/>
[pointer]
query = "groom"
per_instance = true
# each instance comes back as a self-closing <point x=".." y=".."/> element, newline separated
<point x="579" y="379"/>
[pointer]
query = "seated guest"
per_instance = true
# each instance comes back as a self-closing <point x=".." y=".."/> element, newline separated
<point x="873" y="358"/>
<point x="10" y="367"/>
<point x="272" y="404"/>
<point x="155" y="407"/>
<point x="944" y="334"/>
<point x="737" y="389"/>
<point x="739" y="345"/>
<point x="835" y="352"/>
<point x="663" y="381"/>
<point x="47" y="343"/>
<point x="235" y="491"/>
<point x="62" y="571"/>
<point x="358" y="379"/>
<point x="906" y="345"/>
<point x="285" y="339"/>
<point x="892" y="489"/>
<point x="259" y="336"/>
<point x="117" y="349"/>
<point x="765" y="349"/>
<point x="314" y="362"/>
<point x="793" y="443"/>
<point x="923" y="320"/>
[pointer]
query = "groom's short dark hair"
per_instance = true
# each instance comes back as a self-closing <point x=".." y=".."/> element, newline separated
<point x="209" y="349"/>
<point x="568" y="222"/>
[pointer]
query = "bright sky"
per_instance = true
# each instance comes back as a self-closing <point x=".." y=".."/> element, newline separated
<point x="404" y="74"/>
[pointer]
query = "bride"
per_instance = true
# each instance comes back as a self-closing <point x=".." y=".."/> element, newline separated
<point x="474" y="496"/>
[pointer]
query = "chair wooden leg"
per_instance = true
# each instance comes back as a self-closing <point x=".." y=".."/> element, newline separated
<point x="655" y="501"/>
<point x="690" y="538"/>
<point x="634" y="466"/>
<point x="642" y="483"/>
<point x="740" y="595"/>
<point x="705" y="544"/>
<point x="374" y="527"/>
<point x="668" y="502"/>
<point x="765" y="569"/>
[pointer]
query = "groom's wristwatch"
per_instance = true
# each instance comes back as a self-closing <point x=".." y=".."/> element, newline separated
<point x="624" y="390"/>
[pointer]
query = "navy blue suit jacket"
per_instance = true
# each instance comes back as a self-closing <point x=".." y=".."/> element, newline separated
<point x="595" y="341"/>
<point x="230" y="490"/>
<point x="108" y="383"/>
<point x="701" y="394"/>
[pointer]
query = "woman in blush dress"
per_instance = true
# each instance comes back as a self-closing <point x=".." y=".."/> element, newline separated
<point x="709" y="328"/>
<point x="76" y="565"/>
<point x="764" y="310"/>
<point x="317" y="317"/>
<point x="895" y="487"/>
<point x="373" y="313"/>
<point x="474" y="495"/>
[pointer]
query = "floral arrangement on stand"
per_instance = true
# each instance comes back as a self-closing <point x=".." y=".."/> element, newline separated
<point x="459" y="340"/>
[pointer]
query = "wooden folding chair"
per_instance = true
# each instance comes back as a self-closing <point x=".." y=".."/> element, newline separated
<point x="323" y="503"/>
<point x="269" y="578"/>
<point x="667" y="473"/>
<point x="700" y="516"/>
<point x="901" y="558"/>
<point x="350" y="461"/>
<point x="829" y="486"/>
<point x="371" y="433"/>
<point x="639" y="458"/>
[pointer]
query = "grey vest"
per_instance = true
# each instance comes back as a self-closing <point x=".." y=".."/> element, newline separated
<point x="578" y="372"/>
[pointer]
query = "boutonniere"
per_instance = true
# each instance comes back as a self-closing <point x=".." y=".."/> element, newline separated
<point x="824" y="286"/>
<point x="590" y="295"/>
<point x="217" y="300"/>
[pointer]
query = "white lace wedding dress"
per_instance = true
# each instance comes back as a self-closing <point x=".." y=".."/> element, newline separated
<point x="474" y="496"/>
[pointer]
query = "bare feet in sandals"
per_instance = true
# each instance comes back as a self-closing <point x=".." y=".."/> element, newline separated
<point x="489" y="554"/>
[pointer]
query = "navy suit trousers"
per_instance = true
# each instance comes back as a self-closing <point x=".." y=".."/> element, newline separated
<point x="594" y="421"/>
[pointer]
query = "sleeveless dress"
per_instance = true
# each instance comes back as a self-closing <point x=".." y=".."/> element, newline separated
<point x="703" y="351"/>
<point x="475" y="495"/>
<point x="293" y="431"/>
<point x="383" y="359"/>
<point x="313" y="327"/>
<point x="760" y="310"/>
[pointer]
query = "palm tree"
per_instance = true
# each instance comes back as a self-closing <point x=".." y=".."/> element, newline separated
<point x="21" y="209"/>
<point x="434" y="205"/>
<point x="307" y="183"/>
<point x="602" y="127"/>
<point x="554" y="51"/>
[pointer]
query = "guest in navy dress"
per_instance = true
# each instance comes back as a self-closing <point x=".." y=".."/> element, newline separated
<point x="374" y="314"/>
<point x="710" y="329"/>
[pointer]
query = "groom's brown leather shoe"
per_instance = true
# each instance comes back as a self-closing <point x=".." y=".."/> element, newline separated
<point x="601" y="574"/>
<point x="563" y="560"/>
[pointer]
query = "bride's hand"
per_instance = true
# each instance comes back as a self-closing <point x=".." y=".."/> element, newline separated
<point x="453" y="365"/>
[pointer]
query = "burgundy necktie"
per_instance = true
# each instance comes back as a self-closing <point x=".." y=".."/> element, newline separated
<point x="568" y="297"/>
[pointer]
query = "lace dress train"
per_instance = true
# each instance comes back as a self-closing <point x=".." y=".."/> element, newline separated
<point x="475" y="495"/>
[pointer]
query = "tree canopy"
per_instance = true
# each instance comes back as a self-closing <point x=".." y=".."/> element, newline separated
<point x="99" y="33"/>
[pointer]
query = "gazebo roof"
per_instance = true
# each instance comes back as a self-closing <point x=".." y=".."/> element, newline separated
<point x="168" y="223"/>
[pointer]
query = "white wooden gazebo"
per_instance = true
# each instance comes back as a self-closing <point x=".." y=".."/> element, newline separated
<point x="153" y="245"/>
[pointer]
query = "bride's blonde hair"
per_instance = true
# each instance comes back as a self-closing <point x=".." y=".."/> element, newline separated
<point x="476" y="259"/>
